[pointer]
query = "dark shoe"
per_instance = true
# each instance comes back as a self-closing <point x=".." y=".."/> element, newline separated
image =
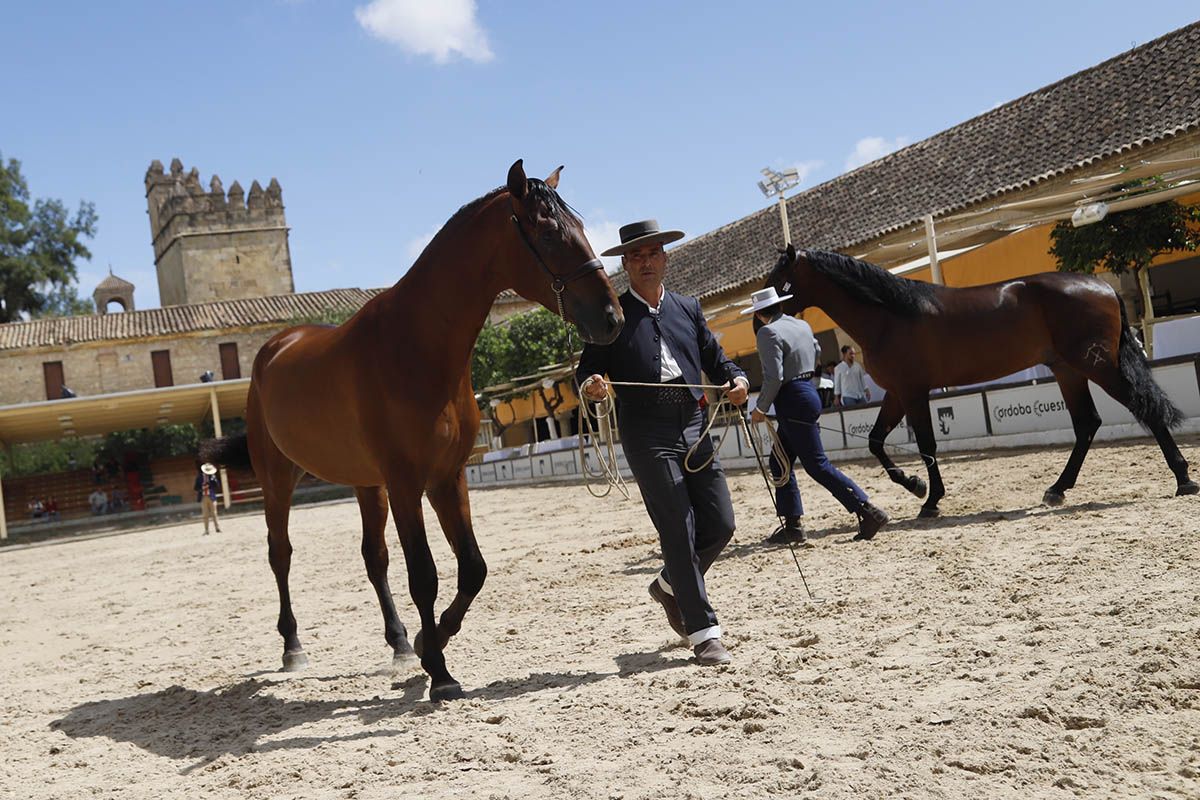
<point x="710" y="653"/>
<point x="674" y="618"/>
<point x="792" y="532"/>
<point x="870" y="519"/>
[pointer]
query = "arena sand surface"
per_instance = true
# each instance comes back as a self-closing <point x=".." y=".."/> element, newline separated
<point x="1006" y="650"/>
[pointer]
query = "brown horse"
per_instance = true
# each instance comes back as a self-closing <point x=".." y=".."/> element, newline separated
<point x="918" y="336"/>
<point x="384" y="402"/>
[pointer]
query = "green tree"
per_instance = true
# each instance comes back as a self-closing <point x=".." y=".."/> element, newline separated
<point x="39" y="246"/>
<point x="65" y="302"/>
<point x="1127" y="240"/>
<point x="519" y="346"/>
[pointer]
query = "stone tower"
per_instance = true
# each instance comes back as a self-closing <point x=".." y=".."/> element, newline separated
<point x="212" y="246"/>
<point x="113" y="290"/>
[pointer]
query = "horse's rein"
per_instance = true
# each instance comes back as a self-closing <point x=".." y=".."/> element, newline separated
<point x="606" y="410"/>
<point x="557" y="282"/>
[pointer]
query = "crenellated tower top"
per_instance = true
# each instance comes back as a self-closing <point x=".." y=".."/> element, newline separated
<point x="244" y="235"/>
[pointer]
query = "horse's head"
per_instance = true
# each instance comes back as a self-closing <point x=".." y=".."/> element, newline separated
<point x="790" y="275"/>
<point x="558" y="267"/>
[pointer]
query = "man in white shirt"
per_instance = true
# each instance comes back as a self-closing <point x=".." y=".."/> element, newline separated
<point x="849" y="381"/>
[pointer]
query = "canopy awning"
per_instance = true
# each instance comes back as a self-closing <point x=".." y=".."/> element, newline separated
<point x="107" y="413"/>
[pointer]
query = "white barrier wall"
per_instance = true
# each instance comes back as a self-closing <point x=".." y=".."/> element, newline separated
<point x="1005" y="416"/>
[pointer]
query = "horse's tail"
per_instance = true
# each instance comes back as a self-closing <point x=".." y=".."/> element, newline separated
<point x="1148" y="402"/>
<point x="227" y="451"/>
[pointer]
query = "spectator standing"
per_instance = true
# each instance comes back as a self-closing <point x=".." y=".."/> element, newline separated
<point x="849" y="381"/>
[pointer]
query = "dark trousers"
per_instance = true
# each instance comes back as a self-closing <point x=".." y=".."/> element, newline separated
<point x="798" y="413"/>
<point x="691" y="511"/>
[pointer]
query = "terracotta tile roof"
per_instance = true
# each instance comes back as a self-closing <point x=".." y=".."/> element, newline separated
<point x="1142" y="96"/>
<point x="176" y="320"/>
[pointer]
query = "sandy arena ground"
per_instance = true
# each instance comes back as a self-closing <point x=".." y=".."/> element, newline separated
<point x="1006" y="650"/>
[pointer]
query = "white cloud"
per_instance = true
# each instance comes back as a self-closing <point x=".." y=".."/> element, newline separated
<point x="872" y="147"/>
<point x="440" y="29"/>
<point x="416" y="246"/>
<point x="603" y="235"/>
<point x="805" y="168"/>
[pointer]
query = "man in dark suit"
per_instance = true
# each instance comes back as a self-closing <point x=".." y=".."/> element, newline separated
<point x="666" y="341"/>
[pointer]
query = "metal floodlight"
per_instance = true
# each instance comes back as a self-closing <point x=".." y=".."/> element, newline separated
<point x="548" y="383"/>
<point x="1086" y="215"/>
<point x="778" y="182"/>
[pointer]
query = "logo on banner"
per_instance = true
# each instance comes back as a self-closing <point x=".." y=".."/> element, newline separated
<point x="945" y="415"/>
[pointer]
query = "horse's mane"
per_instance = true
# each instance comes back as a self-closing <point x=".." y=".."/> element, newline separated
<point x="538" y="190"/>
<point x="870" y="284"/>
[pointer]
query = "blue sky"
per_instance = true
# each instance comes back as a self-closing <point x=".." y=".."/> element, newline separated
<point x="381" y="118"/>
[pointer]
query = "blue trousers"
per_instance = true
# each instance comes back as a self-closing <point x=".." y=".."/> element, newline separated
<point x="798" y="413"/>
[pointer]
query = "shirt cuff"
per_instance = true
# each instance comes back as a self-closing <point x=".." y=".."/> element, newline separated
<point x="745" y="382"/>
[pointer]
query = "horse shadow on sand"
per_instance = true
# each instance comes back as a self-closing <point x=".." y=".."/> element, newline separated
<point x="748" y="542"/>
<point x="247" y="717"/>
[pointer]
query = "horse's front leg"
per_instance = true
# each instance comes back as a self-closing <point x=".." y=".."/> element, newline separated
<point x="890" y="414"/>
<point x="453" y="509"/>
<point x="404" y="495"/>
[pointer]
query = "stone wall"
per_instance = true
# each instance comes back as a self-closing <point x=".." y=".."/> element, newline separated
<point x="120" y="366"/>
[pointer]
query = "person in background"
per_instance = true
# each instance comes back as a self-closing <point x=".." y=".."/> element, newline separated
<point x="207" y="486"/>
<point x="788" y="353"/>
<point x="52" y="509"/>
<point x="98" y="500"/>
<point x="849" y="381"/>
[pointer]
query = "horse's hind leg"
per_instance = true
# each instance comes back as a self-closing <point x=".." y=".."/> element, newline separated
<point x="917" y="408"/>
<point x="453" y="509"/>
<point x="404" y="495"/>
<point x="373" y="504"/>
<point x="1084" y="419"/>
<point x="1109" y="378"/>
<point x="890" y="414"/>
<point x="279" y="477"/>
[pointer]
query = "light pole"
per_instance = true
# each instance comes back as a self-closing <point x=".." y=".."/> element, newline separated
<point x="776" y="183"/>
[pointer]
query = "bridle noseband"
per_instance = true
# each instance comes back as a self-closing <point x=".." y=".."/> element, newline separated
<point x="557" y="282"/>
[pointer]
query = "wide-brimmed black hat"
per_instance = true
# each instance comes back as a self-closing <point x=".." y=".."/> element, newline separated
<point x="636" y="234"/>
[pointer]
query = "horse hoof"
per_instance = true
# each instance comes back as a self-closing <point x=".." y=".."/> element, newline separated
<point x="917" y="486"/>
<point x="1053" y="497"/>
<point x="404" y="662"/>
<point x="294" y="661"/>
<point x="446" y="691"/>
<point x="929" y="512"/>
<point x="1190" y="487"/>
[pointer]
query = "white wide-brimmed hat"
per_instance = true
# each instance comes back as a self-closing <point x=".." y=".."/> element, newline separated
<point x="764" y="298"/>
<point x="208" y="469"/>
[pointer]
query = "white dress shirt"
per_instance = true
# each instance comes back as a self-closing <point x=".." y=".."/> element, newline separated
<point x="848" y="381"/>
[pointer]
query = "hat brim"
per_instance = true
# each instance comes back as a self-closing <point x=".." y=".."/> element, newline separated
<point x="663" y="237"/>
<point x="774" y="302"/>
<point x="208" y="469"/>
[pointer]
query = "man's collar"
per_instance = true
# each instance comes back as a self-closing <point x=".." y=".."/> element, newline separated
<point x="662" y="292"/>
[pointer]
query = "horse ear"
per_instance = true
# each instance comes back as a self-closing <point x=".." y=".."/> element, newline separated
<point x="518" y="184"/>
<point x="552" y="181"/>
<point x="791" y="252"/>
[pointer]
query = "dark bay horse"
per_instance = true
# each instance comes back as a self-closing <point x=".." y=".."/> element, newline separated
<point x="384" y="402"/>
<point x="918" y="336"/>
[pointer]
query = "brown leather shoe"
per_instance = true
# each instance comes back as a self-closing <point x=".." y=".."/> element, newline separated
<point x="674" y="618"/>
<point x="711" y="652"/>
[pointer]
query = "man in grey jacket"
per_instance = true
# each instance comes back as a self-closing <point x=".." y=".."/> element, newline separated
<point x="788" y="352"/>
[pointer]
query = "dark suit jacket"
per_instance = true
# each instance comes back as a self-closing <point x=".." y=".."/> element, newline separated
<point x="635" y="355"/>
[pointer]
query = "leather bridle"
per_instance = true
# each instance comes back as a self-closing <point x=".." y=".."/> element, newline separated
<point x="557" y="282"/>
